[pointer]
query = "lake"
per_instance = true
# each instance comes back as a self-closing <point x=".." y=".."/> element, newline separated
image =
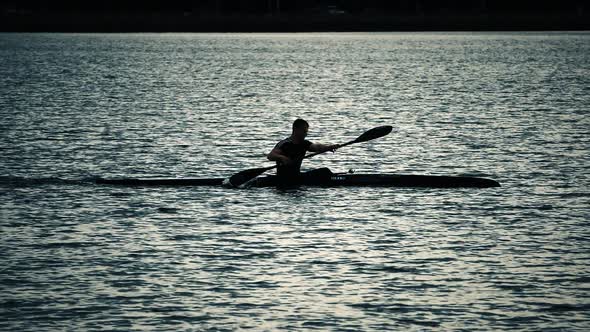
<point x="508" y="106"/>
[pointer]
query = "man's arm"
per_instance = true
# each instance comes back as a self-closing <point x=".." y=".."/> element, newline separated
<point x="315" y="147"/>
<point x="277" y="155"/>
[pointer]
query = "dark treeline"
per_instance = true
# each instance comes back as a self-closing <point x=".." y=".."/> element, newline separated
<point x="292" y="15"/>
<point x="306" y="6"/>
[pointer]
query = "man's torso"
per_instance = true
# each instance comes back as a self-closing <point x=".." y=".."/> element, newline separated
<point x="295" y="152"/>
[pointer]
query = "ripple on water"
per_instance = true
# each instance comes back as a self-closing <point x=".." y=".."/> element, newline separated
<point x="80" y="256"/>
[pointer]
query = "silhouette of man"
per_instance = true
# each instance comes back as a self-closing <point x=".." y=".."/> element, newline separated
<point x="289" y="154"/>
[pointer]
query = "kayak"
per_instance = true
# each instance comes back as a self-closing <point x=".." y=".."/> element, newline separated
<point x="335" y="180"/>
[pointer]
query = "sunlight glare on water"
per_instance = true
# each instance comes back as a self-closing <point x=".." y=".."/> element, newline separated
<point x="509" y="106"/>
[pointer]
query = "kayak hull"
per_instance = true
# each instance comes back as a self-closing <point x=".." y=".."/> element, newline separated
<point x="336" y="180"/>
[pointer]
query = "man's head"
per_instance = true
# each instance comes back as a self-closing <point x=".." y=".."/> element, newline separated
<point x="300" y="128"/>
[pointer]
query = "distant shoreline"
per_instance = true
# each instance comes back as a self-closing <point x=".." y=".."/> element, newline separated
<point x="186" y="22"/>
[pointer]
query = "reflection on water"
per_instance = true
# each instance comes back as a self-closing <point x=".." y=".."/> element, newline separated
<point x="75" y="255"/>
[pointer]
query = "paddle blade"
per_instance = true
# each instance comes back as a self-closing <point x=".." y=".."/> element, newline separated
<point x="242" y="177"/>
<point x="374" y="133"/>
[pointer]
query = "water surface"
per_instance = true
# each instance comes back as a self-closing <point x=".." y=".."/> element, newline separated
<point x="78" y="256"/>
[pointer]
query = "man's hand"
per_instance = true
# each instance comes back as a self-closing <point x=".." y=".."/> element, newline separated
<point x="333" y="147"/>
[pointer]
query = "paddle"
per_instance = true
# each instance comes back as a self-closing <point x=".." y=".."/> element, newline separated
<point x="243" y="177"/>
